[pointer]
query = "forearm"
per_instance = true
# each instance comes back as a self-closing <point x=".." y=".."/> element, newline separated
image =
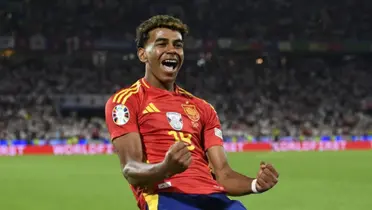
<point x="235" y="183"/>
<point x="144" y="175"/>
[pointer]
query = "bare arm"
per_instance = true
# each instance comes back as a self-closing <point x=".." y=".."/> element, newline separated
<point x="137" y="173"/>
<point x="234" y="183"/>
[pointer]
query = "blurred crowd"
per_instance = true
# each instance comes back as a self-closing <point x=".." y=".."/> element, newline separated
<point x="243" y="19"/>
<point x="276" y="96"/>
<point x="300" y="97"/>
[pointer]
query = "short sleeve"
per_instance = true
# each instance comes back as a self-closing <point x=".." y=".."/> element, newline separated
<point x="212" y="133"/>
<point x="121" y="118"/>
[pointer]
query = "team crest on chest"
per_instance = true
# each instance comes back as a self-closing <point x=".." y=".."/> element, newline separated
<point x="175" y="120"/>
<point x="191" y="112"/>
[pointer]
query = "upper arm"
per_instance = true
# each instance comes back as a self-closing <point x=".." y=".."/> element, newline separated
<point x="121" y="118"/>
<point x="121" y="121"/>
<point x="129" y="148"/>
<point x="212" y="134"/>
<point x="218" y="161"/>
<point x="213" y="142"/>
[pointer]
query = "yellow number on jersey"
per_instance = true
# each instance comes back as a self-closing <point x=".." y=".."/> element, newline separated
<point x="180" y="136"/>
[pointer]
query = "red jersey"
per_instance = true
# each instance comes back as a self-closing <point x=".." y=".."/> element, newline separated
<point x="163" y="117"/>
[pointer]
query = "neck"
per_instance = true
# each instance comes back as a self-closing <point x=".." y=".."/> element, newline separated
<point x="155" y="82"/>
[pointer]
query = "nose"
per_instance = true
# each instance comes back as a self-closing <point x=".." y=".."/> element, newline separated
<point x="171" y="48"/>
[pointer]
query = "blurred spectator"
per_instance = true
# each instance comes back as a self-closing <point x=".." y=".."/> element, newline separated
<point x="298" y="96"/>
<point x="253" y="19"/>
<point x="310" y="97"/>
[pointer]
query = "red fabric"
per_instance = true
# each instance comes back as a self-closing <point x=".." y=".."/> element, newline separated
<point x="198" y="130"/>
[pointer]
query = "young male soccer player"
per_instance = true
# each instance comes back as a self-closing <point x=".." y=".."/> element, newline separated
<point x="166" y="138"/>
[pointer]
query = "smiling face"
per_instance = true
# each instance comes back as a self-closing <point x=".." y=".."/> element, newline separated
<point x="163" y="54"/>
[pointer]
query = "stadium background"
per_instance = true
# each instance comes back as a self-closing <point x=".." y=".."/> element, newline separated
<point x="283" y="75"/>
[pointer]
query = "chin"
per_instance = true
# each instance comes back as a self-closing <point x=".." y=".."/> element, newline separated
<point x="167" y="78"/>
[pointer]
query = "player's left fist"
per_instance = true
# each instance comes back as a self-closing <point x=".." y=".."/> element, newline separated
<point x="267" y="177"/>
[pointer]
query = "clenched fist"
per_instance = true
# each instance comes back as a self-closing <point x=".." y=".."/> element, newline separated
<point x="267" y="177"/>
<point x="177" y="159"/>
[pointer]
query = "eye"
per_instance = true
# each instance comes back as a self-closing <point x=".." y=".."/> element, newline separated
<point x="162" y="44"/>
<point x="179" y="45"/>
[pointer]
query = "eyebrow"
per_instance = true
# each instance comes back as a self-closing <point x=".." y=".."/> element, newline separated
<point x="165" y="40"/>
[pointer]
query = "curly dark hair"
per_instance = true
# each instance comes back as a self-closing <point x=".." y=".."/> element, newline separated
<point x="158" y="21"/>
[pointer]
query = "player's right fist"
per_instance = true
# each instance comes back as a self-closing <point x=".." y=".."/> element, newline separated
<point x="177" y="159"/>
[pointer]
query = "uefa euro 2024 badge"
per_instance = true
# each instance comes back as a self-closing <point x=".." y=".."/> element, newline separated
<point x="120" y="114"/>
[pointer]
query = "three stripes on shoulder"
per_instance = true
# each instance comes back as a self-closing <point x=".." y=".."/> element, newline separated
<point x="122" y="96"/>
<point x="150" y="108"/>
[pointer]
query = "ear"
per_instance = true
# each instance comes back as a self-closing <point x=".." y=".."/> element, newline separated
<point x="142" y="55"/>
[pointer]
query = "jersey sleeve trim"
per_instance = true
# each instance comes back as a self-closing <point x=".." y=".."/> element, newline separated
<point x="117" y="134"/>
<point x="121" y="112"/>
<point x="212" y="145"/>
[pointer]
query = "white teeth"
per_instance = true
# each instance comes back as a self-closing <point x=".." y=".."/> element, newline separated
<point x="170" y="65"/>
<point x="171" y="61"/>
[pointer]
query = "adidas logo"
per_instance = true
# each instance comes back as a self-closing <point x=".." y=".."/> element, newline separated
<point x="150" y="108"/>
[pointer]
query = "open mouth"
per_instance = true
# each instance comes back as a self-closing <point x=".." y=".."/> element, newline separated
<point x="170" y="65"/>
